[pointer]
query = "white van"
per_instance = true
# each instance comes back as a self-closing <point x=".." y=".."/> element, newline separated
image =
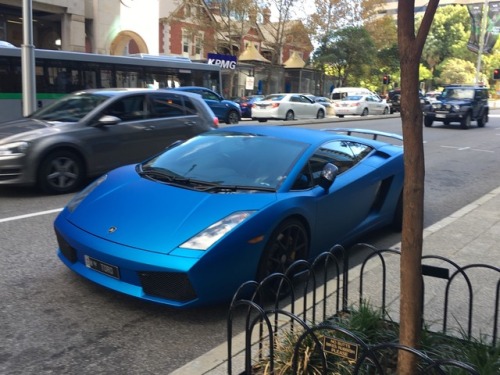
<point x="340" y="93"/>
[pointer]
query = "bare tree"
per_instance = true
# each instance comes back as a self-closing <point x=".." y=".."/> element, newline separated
<point x="410" y="52"/>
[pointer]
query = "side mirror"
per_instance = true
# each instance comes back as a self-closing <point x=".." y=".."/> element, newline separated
<point x="108" y="120"/>
<point x="328" y="175"/>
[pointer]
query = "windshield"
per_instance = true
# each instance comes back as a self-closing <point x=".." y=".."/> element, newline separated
<point x="229" y="159"/>
<point x="71" y="108"/>
<point x="458" y="93"/>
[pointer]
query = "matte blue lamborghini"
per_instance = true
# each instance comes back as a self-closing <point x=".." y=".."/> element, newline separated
<point x="190" y="225"/>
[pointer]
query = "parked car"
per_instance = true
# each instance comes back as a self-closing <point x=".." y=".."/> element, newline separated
<point x="459" y="103"/>
<point x="190" y="225"/>
<point x="226" y="110"/>
<point x="325" y="102"/>
<point x="90" y="132"/>
<point x="339" y="93"/>
<point x="246" y="103"/>
<point x="361" y="105"/>
<point x="286" y="107"/>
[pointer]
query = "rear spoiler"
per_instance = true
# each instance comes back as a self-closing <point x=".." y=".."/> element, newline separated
<point x="373" y="133"/>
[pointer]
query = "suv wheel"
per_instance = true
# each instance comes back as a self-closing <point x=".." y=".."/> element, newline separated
<point x="481" y="121"/>
<point x="428" y="121"/>
<point x="465" y="124"/>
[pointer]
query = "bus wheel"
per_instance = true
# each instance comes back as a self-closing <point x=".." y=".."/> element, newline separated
<point x="61" y="172"/>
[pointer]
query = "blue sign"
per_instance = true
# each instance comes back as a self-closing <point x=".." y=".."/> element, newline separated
<point x="224" y="61"/>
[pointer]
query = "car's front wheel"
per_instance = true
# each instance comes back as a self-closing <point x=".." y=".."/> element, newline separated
<point x="386" y="111"/>
<point x="61" y="172"/>
<point x="321" y="114"/>
<point x="288" y="243"/>
<point x="232" y="117"/>
<point x="481" y="121"/>
<point x="428" y="121"/>
<point x="465" y="123"/>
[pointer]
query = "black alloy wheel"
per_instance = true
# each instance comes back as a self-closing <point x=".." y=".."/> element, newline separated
<point x="288" y="243"/>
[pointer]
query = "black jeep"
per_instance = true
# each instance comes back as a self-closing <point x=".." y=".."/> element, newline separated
<point x="459" y="103"/>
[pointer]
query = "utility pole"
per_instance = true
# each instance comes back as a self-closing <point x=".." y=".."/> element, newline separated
<point x="484" y="21"/>
<point x="28" y="61"/>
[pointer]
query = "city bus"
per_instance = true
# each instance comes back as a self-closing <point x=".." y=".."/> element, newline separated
<point x="61" y="72"/>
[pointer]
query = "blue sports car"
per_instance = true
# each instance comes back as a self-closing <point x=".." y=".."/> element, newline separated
<point x="191" y="224"/>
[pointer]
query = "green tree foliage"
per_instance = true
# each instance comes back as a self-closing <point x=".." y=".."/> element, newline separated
<point x="448" y="36"/>
<point x="455" y="70"/>
<point x="348" y="53"/>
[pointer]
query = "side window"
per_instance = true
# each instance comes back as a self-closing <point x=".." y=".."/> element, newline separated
<point x="210" y="96"/>
<point x="343" y="154"/>
<point x="130" y="108"/>
<point x="167" y="105"/>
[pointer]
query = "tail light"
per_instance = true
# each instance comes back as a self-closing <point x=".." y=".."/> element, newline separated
<point x="216" y="122"/>
<point x="275" y="105"/>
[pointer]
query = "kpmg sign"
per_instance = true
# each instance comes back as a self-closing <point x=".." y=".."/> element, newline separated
<point x="224" y="61"/>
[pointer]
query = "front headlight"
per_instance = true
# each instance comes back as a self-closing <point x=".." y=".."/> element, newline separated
<point x="207" y="237"/>
<point x="79" y="197"/>
<point x="14" y="148"/>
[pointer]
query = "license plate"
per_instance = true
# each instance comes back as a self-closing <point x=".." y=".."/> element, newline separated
<point x="102" y="267"/>
<point x="440" y="115"/>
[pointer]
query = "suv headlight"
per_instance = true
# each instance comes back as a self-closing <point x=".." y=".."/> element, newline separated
<point x="14" y="148"/>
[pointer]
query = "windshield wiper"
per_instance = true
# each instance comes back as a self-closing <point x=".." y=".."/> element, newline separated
<point x="232" y="188"/>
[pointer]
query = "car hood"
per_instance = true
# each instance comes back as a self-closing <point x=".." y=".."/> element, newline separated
<point x="23" y="129"/>
<point x="453" y="102"/>
<point x="157" y="217"/>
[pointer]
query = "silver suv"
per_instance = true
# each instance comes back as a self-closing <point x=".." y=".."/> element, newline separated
<point x="90" y="132"/>
<point x="459" y="103"/>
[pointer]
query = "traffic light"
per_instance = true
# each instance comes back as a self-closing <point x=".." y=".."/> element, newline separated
<point x="387" y="79"/>
<point x="496" y="73"/>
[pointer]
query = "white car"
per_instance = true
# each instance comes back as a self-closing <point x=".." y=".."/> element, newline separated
<point x="361" y="105"/>
<point x="286" y="107"/>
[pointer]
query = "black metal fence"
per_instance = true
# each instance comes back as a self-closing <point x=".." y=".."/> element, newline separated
<point x="290" y="319"/>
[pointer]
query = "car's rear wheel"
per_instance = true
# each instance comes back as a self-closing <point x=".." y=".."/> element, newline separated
<point x="232" y="117"/>
<point x="262" y="120"/>
<point x="428" y="121"/>
<point x="481" y="121"/>
<point x="61" y="172"/>
<point x="288" y="243"/>
<point x="289" y="116"/>
<point x="340" y="116"/>
<point x="465" y="123"/>
<point x="365" y="112"/>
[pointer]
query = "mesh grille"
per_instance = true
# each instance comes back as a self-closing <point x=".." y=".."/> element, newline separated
<point x="170" y="285"/>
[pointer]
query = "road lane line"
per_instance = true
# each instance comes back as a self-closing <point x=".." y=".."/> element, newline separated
<point x="12" y="218"/>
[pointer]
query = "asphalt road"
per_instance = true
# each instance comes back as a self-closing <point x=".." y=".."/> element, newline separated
<point x="54" y="322"/>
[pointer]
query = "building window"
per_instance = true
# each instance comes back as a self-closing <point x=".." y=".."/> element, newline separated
<point x="198" y="45"/>
<point x="185" y="43"/>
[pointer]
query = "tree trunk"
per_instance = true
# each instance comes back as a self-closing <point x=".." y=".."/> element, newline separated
<point x="410" y="52"/>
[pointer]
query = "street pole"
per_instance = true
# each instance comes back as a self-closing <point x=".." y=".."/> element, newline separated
<point x="484" y="20"/>
<point x="28" y="61"/>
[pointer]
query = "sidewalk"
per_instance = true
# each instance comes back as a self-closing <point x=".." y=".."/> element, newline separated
<point x="457" y="236"/>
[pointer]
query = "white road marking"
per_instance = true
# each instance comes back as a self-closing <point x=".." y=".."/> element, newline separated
<point x="12" y="218"/>
<point x="468" y="148"/>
